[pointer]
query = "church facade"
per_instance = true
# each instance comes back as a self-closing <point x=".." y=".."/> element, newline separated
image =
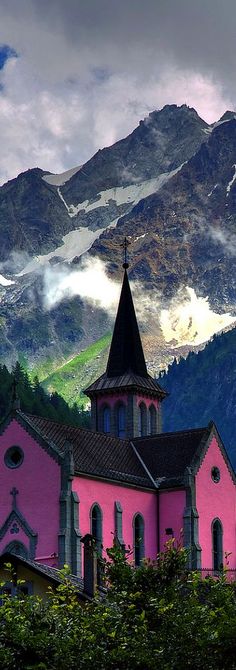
<point x="123" y="480"/>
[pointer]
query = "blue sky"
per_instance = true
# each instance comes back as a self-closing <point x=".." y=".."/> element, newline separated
<point x="87" y="71"/>
<point x="5" y="53"/>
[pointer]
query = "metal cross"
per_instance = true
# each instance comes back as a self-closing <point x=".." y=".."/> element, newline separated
<point x="125" y="245"/>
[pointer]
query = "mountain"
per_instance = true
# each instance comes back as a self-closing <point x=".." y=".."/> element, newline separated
<point x="203" y="388"/>
<point x="189" y="225"/>
<point x="170" y="188"/>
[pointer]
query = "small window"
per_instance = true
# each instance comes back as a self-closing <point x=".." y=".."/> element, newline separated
<point x="138" y="539"/>
<point x="106" y="420"/>
<point x="14" y="457"/>
<point x="96" y="526"/>
<point x="121" y="417"/>
<point x="217" y="545"/>
<point x="142" y="420"/>
<point x="152" y="420"/>
<point x="215" y="474"/>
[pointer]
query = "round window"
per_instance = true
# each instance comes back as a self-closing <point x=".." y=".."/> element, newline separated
<point x="215" y="474"/>
<point x="14" y="456"/>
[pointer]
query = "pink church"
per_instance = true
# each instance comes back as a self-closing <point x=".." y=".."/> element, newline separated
<point x="124" y="479"/>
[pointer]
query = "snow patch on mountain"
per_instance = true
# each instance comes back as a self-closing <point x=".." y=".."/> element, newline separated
<point x="230" y="184"/>
<point x="5" y="282"/>
<point x="131" y="194"/>
<point x="61" y="179"/>
<point x="75" y="243"/>
<point x="213" y="189"/>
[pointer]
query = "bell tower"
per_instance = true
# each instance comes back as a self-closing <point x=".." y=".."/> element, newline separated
<point x="126" y="400"/>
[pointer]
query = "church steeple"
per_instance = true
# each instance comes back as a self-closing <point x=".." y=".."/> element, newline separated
<point x="126" y="352"/>
<point x="125" y="400"/>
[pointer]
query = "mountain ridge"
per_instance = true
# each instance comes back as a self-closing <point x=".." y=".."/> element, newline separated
<point x="175" y="233"/>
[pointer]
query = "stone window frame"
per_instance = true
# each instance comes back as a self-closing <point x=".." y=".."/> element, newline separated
<point x="7" y="456"/>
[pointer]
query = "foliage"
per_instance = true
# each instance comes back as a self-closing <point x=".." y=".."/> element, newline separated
<point x="34" y="400"/>
<point x="69" y="379"/>
<point x="157" y="616"/>
<point x="202" y="388"/>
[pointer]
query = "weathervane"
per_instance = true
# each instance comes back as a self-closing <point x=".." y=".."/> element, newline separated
<point x="125" y="245"/>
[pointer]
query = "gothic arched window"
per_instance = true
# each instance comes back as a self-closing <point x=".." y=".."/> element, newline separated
<point x="152" y="420"/>
<point x="17" y="548"/>
<point x="217" y="545"/>
<point x="142" y="420"/>
<point x="138" y="528"/>
<point x="106" y="419"/>
<point x="121" y="420"/>
<point x="96" y="526"/>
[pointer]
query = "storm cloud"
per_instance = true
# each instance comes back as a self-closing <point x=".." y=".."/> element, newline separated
<point x="87" y="72"/>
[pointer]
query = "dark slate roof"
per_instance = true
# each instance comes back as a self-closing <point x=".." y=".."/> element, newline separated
<point x="169" y="454"/>
<point x="129" y="380"/>
<point x="95" y="454"/>
<point x="126" y="352"/>
<point x="159" y="460"/>
<point x="53" y="574"/>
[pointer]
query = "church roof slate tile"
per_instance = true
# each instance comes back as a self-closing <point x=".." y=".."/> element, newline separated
<point x="128" y="380"/>
<point x="165" y="456"/>
<point x="95" y="454"/>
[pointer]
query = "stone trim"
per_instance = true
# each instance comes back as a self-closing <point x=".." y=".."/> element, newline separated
<point x="119" y="523"/>
<point x="16" y="516"/>
<point x="75" y="535"/>
<point x="190" y="522"/>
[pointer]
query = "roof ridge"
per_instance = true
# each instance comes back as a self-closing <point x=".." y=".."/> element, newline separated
<point x="172" y="432"/>
<point x="106" y="436"/>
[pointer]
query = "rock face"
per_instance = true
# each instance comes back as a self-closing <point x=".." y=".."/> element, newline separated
<point x="169" y="186"/>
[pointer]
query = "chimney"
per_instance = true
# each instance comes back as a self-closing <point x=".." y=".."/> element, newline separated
<point x="90" y="565"/>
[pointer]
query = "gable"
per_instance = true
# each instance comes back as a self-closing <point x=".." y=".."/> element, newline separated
<point x="30" y="490"/>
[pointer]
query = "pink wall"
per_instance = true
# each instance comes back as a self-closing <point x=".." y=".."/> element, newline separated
<point x="112" y="399"/>
<point x="147" y="401"/>
<point x="171" y="509"/>
<point x="38" y="482"/>
<point x="215" y="500"/>
<point x="131" y="500"/>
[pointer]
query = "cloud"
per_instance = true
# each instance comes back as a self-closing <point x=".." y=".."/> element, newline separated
<point x="90" y="282"/>
<point x="87" y="72"/>
<point x="190" y="320"/>
<point x="226" y="239"/>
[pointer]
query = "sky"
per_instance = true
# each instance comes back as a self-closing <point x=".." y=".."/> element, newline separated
<point x="76" y="76"/>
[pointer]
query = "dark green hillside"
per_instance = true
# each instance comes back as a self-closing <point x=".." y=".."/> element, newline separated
<point x="35" y="400"/>
<point x="203" y="387"/>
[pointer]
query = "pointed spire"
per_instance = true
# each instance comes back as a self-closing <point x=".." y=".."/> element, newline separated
<point x="126" y="352"/>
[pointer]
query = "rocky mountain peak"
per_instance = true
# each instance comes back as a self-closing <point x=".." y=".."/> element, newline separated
<point x="226" y="117"/>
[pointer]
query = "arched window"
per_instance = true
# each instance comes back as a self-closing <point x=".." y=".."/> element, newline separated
<point x="96" y="526"/>
<point x="217" y="545"/>
<point x="138" y="526"/>
<point x="152" y="420"/>
<point x="121" y="420"/>
<point x="106" y="419"/>
<point x="17" y="548"/>
<point x="142" y="420"/>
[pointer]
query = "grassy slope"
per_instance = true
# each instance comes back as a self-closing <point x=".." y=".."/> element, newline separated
<point x="69" y="379"/>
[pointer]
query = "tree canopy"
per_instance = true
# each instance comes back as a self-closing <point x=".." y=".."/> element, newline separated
<point x="157" y="616"/>
<point x="34" y="400"/>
